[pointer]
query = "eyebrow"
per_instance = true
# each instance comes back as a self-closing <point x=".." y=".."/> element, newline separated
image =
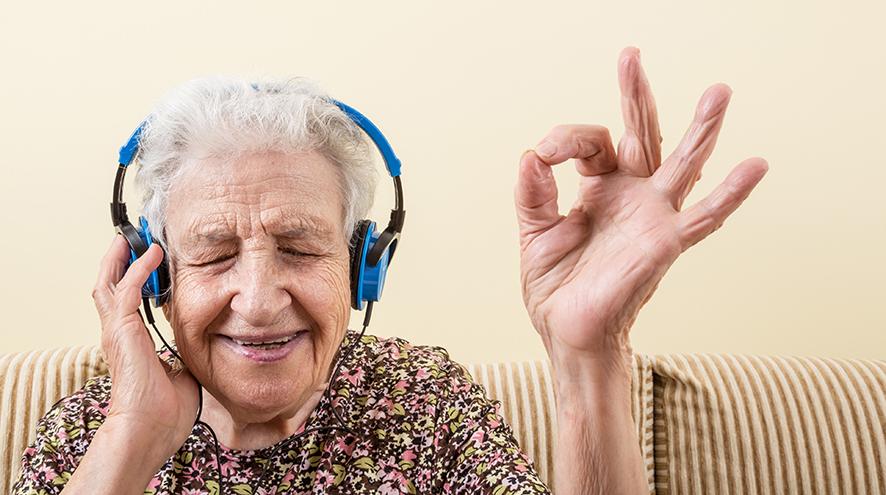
<point x="302" y="232"/>
<point x="306" y="229"/>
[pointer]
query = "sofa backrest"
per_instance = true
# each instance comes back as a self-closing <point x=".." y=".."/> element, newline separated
<point x="705" y="424"/>
<point x="30" y="383"/>
<point x="756" y="424"/>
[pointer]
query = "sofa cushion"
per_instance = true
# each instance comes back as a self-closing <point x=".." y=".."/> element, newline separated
<point x="750" y="424"/>
<point x="30" y="384"/>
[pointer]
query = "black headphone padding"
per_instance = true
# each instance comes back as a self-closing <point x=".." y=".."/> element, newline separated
<point x="140" y="247"/>
<point x="358" y="239"/>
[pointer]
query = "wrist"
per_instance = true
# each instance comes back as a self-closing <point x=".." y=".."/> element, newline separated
<point x="591" y="383"/>
<point x="141" y="441"/>
<point x="118" y="461"/>
<point x="611" y="366"/>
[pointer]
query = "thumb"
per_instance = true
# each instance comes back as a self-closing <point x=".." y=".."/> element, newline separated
<point x="535" y="196"/>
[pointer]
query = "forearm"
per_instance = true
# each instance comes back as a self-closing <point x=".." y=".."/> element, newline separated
<point x="598" y="451"/>
<point x="115" y="463"/>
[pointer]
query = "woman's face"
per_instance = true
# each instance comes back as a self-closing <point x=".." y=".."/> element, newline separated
<point x="260" y="278"/>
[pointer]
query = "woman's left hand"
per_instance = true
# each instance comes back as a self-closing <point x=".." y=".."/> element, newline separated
<point x="586" y="275"/>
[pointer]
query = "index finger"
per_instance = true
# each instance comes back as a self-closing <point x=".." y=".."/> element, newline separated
<point x="590" y="145"/>
<point x="110" y="271"/>
<point x="113" y="264"/>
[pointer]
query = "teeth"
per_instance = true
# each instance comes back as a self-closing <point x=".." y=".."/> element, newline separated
<point x="270" y="342"/>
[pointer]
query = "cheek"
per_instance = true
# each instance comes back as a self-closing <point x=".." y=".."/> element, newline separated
<point x="320" y="291"/>
<point x="323" y="290"/>
<point x="196" y="300"/>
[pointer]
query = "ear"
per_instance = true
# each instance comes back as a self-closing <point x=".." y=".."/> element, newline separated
<point x="170" y="266"/>
<point x="166" y="309"/>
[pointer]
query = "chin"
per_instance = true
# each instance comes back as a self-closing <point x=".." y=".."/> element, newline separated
<point x="258" y="383"/>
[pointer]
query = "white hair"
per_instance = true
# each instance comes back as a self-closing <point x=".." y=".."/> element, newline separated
<point x="226" y="117"/>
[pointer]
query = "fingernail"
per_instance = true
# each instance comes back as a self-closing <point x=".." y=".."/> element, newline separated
<point x="546" y="149"/>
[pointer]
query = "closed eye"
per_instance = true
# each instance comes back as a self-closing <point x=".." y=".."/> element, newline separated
<point x="294" y="252"/>
<point x="286" y="251"/>
<point x="217" y="260"/>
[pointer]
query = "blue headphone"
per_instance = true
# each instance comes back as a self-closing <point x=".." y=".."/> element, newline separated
<point x="371" y="251"/>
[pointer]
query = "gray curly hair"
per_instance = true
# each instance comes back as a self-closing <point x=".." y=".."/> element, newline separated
<point x="226" y="117"/>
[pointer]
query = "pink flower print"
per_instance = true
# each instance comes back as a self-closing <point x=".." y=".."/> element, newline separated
<point x="460" y="386"/>
<point x="395" y="482"/>
<point x="47" y="472"/>
<point x="355" y="376"/>
<point x="229" y="466"/>
<point x="422" y="373"/>
<point x="394" y="352"/>
<point x="290" y="476"/>
<point x="346" y="444"/>
<point x="408" y="455"/>
<point x="387" y="404"/>
<point x="478" y="436"/>
<point x="153" y="484"/>
<point x="377" y="413"/>
<point x="324" y="479"/>
<point x="388" y="488"/>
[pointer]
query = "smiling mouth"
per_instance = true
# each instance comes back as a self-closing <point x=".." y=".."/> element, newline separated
<point x="265" y="344"/>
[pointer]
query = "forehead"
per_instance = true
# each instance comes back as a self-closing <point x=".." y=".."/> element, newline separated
<point x="291" y="194"/>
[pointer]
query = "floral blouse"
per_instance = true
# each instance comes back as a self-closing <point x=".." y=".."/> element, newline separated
<point x="422" y="426"/>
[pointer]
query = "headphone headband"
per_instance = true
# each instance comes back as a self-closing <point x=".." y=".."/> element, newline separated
<point x="392" y="164"/>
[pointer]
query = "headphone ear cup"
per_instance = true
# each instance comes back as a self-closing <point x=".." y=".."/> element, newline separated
<point x="359" y="247"/>
<point x="157" y="285"/>
<point x="135" y="240"/>
<point x="163" y="278"/>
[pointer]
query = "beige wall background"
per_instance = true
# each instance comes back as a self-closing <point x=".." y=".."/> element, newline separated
<point x="461" y="89"/>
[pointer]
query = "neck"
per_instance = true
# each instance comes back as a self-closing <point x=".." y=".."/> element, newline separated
<point x="243" y="433"/>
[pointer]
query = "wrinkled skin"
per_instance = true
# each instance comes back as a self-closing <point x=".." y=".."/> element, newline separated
<point x="258" y="282"/>
<point x="585" y="275"/>
<point x="245" y="279"/>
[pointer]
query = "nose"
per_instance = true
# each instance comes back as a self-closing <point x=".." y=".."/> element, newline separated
<point x="260" y="293"/>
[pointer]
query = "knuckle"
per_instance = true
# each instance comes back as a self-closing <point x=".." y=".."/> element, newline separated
<point x="603" y="131"/>
<point x="561" y="131"/>
<point x="596" y="130"/>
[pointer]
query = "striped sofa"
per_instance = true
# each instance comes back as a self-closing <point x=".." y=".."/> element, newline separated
<point x="706" y="424"/>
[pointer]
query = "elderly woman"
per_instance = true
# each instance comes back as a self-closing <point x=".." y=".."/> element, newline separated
<point x="254" y="190"/>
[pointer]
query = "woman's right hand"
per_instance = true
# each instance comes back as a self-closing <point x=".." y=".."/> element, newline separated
<point x="154" y="405"/>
